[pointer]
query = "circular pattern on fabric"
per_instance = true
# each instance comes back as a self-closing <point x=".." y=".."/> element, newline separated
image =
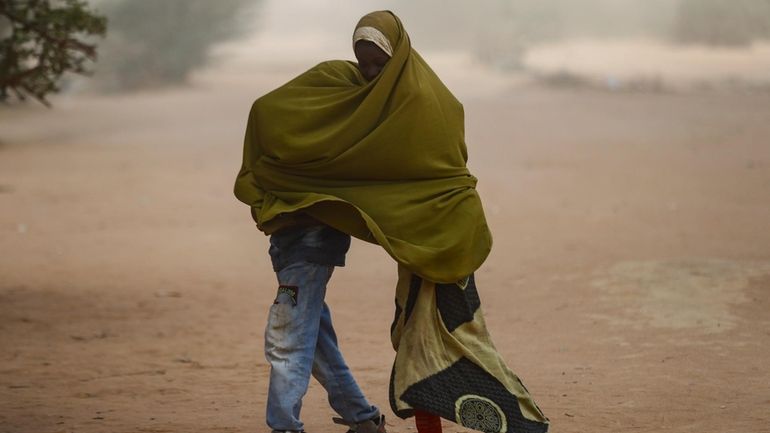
<point x="479" y="413"/>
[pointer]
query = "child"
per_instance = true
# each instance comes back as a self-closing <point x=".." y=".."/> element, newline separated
<point x="300" y="338"/>
<point x="376" y="150"/>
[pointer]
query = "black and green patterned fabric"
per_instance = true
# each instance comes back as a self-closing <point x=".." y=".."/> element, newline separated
<point x="447" y="365"/>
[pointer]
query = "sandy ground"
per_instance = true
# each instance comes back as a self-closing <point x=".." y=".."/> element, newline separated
<point x="629" y="285"/>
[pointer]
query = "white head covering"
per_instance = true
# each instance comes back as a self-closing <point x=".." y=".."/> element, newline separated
<point x="371" y="34"/>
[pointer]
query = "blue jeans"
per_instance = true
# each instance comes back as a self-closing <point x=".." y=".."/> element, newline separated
<point x="300" y="341"/>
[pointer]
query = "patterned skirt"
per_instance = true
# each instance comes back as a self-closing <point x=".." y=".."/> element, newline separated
<point x="447" y="365"/>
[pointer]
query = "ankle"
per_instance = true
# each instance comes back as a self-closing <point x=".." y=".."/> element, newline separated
<point x="427" y="422"/>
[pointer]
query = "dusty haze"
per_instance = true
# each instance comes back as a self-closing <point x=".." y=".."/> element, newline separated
<point x="623" y="157"/>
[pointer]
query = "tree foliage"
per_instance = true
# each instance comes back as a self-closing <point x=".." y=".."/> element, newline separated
<point x="41" y="40"/>
<point x="155" y="43"/>
<point x="722" y="22"/>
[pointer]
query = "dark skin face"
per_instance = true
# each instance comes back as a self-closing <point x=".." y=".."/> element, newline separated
<point x="371" y="59"/>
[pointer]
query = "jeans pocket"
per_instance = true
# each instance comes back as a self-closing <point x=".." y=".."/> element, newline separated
<point x="279" y="336"/>
<point x="282" y="310"/>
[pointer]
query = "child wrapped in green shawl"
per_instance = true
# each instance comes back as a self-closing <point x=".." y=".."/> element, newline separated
<point x="382" y="157"/>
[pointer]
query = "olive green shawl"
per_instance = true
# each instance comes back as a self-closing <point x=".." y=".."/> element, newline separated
<point x="383" y="160"/>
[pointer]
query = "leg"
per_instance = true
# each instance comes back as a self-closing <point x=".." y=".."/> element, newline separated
<point x="291" y="338"/>
<point x="427" y="422"/>
<point x="330" y="369"/>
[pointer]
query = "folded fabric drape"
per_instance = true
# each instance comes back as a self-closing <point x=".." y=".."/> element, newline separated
<point x="447" y="365"/>
<point x="384" y="161"/>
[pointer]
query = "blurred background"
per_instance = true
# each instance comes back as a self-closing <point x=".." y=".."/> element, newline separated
<point x="617" y="44"/>
<point x="623" y="155"/>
